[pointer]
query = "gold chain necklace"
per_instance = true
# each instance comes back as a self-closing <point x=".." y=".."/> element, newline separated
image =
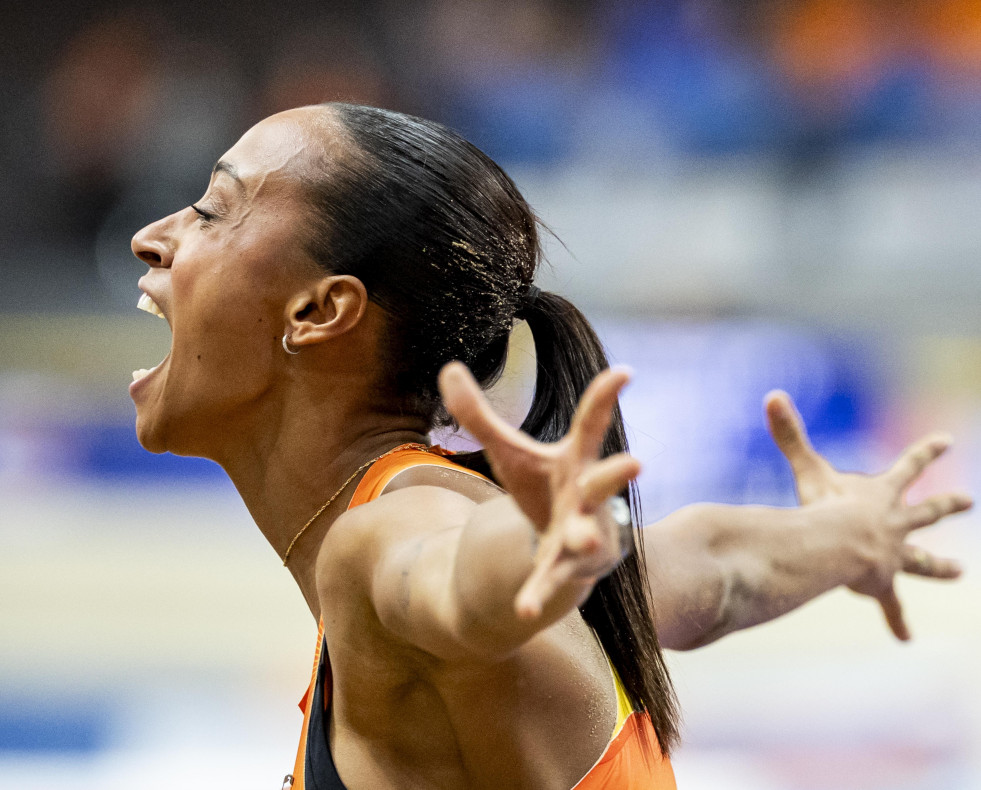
<point x="338" y="492"/>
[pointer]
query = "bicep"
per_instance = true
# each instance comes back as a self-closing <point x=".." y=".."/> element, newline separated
<point x="412" y="586"/>
<point x="444" y="572"/>
<point x="689" y="585"/>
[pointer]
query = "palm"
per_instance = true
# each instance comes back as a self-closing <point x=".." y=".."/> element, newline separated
<point x="874" y="504"/>
<point x="561" y="487"/>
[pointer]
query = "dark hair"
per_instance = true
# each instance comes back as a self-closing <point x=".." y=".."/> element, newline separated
<point x="440" y="237"/>
<point x="444" y="242"/>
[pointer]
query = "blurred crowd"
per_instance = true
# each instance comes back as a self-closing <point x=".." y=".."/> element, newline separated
<point x="113" y="113"/>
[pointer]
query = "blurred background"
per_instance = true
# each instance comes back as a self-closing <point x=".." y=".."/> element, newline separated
<point x="743" y="195"/>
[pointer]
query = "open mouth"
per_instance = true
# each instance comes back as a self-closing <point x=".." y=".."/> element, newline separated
<point x="147" y="304"/>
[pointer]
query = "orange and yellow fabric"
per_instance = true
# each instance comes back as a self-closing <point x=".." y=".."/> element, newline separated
<point x="631" y="760"/>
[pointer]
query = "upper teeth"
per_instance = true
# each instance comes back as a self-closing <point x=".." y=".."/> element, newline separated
<point x="146" y="303"/>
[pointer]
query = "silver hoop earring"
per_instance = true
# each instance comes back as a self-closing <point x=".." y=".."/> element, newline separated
<point x="286" y="344"/>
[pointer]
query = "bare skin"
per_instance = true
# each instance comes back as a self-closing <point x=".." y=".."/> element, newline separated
<point x="450" y="609"/>
<point x="715" y="569"/>
<point x="289" y="428"/>
<point x="747" y="565"/>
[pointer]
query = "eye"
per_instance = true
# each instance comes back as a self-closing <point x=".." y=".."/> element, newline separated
<point x="207" y="216"/>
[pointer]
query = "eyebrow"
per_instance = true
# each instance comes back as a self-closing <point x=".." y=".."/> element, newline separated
<point x="221" y="166"/>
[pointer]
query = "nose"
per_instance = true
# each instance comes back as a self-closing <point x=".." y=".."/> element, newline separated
<point x="154" y="244"/>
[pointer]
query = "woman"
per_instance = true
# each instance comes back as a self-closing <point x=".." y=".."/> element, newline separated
<point x="471" y="637"/>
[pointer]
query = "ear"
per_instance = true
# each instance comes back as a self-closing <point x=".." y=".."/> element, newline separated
<point x="329" y="308"/>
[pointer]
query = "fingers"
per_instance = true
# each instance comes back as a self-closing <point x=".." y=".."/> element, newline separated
<point x="789" y="434"/>
<point x="595" y="411"/>
<point x="931" y="510"/>
<point x="893" y="611"/>
<point x="578" y="560"/>
<point x="604" y="479"/>
<point x="587" y="548"/>
<point x="466" y="402"/>
<point x="917" y="457"/>
<point x="546" y="578"/>
<point x="920" y="562"/>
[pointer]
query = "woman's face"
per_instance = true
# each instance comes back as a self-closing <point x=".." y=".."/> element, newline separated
<point x="222" y="271"/>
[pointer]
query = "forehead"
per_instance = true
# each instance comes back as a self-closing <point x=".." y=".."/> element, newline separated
<point x="286" y="148"/>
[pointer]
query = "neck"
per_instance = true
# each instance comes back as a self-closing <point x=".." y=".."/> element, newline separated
<point x="288" y="471"/>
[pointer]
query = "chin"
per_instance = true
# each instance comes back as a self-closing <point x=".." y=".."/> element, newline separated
<point x="149" y="436"/>
<point x="176" y="435"/>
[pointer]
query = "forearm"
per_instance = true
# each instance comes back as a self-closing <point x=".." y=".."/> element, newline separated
<point x="715" y="569"/>
<point x="452" y="591"/>
<point x="494" y="560"/>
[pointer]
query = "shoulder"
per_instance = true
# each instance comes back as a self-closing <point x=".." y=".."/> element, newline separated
<point x="411" y="509"/>
<point x="421" y="502"/>
<point x="421" y="498"/>
<point x="371" y="552"/>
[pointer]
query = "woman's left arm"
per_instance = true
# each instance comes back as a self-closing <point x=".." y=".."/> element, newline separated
<point x="715" y="569"/>
<point x="468" y="581"/>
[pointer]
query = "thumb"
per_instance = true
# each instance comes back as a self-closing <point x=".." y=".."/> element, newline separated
<point x="466" y="402"/>
<point x="789" y="434"/>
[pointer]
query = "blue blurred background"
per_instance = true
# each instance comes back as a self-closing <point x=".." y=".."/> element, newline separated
<point x="742" y="195"/>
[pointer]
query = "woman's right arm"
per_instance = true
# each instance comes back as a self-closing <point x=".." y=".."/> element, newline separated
<point x="715" y="569"/>
<point x="488" y="580"/>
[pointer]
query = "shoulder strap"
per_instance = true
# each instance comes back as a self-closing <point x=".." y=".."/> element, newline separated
<point x="381" y="472"/>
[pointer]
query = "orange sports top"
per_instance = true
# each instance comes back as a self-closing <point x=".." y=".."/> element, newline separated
<point x="627" y="763"/>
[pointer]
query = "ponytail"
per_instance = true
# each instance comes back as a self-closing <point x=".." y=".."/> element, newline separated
<point x="448" y="248"/>
<point x="619" y="609"/>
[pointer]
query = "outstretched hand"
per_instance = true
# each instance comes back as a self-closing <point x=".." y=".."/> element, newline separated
<point x="877" y="505"/>
<point x="561" y="487"/>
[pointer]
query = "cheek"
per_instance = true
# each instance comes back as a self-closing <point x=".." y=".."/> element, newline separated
<point x="224" y="342"/>
<point x="233" y="358"/>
